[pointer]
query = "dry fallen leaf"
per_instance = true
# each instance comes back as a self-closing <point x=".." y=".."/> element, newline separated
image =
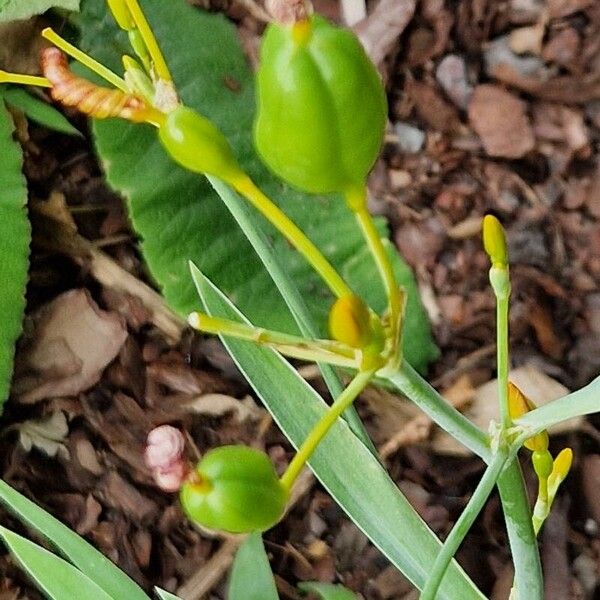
<point x="47" y="434"/>
<point x="500" y="120"/>
<point x="216" y="405"/>
<point x="71" y="344"/>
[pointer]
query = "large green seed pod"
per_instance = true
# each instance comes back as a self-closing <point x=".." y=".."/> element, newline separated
<point x="236" y="490"/>
<point x="197" y="144"/>
<point x="321" y="106"/>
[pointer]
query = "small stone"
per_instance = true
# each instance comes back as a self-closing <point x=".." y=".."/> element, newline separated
<point x="410" y="138"/>
<point x="499" y="52"/>
<point x="500" y="120"/>
<point x="451" y="74"/>
<point x="400" y="179"/>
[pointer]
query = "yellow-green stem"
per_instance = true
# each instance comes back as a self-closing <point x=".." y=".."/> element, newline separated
<point x="356" y="200"/>
<point x="502" y="358"/>
<point x="247" y="188"/>
<point x="319" y="431"/>
<point x="20" y="79"/>
<point x="328" y="351"/>
<point x="160" y="64"/>
<point x="85" y="59"/>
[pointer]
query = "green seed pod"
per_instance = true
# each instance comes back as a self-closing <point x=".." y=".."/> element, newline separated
<point x="321" y="106"/>
<point x="196" y="144"/>
<point x="236" y="490"/>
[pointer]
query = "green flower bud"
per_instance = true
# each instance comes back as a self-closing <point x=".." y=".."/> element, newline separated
<point x="321" y="106"/>
<point x="195" y="143"/>
<point x="235" y="489"/>
<point x="542" y="463"/>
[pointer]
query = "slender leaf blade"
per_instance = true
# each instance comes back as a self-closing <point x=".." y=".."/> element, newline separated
<point x="327" y="591"/>
<point x="164" y="595"/>
<point x="15" y="234"/>
<point x="57" y="578"/>
<point x="84" y="556"/>
<point x="351" y="474"/>
<point x="251" y="577"/>
<point x="584" y="401"/>
<point x="39" y="111"/>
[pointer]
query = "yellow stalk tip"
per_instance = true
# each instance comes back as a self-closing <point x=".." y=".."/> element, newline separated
<point x="122" y="14"/>
<point x="494" y="241"/>
<point x="194" y="320"/>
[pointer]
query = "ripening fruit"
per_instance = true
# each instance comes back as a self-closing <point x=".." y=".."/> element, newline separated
<point x="236" y="490"/>
<point x="321" y="106"/>
<point x="198" y="145"/>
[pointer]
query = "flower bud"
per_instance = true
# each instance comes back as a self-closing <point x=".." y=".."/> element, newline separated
<point x="235" y="489"/>
<point x="350" y="322"/>
<point x="195" y="143"/>
<point x="542" y="463"/>
<point x="494" y="241"/>
<point x="518" y="405"/>
<point x="321" y="106"/>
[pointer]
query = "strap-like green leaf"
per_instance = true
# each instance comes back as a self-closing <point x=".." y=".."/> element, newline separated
<point x="73" y="547"/>
<point x="57" y="578"/>
<point x="351" y="474"/>
<point x="164" y="595"/>
<point x="251" y="577"/>
<point x="327" y="591"/>
<point x="15" y="235"/>
<point x="39" y="111"/>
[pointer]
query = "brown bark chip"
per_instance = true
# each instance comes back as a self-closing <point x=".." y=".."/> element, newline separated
<point x="501" y="121"/>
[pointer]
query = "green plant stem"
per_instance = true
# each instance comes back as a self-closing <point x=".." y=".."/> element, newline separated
<point x="319" y="431"/>
<point x="382" y="261"/>
<point x="247" y="188"/>
<point x="329" y="351"/>
<point x="515" y="504"/>
<point x="419" y="391"/>
<point x="462" y="526"/>
<point x="502" y="357"/>
<point x="250" y="225"/>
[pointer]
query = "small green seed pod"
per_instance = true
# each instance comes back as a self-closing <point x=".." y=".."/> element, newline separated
<point x="236" y="490"/>
<point x="197" y="144"/>
<point x="321" y="106"/>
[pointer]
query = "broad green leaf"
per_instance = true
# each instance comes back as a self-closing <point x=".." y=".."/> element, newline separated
<point x="178" y="215"/>
<point x="351" y="474"/>
<point x="15" y="235"/>
<point x="327" y="591"/>
<point x="13" y="10"/>
<point x="57" y="578"/>
<point x="164" y="595"/>
<point x="251" y="577"/>
<point x="84" y="556"/>
<point x="39" y="111"/>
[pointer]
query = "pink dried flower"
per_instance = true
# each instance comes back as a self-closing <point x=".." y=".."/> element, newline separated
<point x="164" y="457"/>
